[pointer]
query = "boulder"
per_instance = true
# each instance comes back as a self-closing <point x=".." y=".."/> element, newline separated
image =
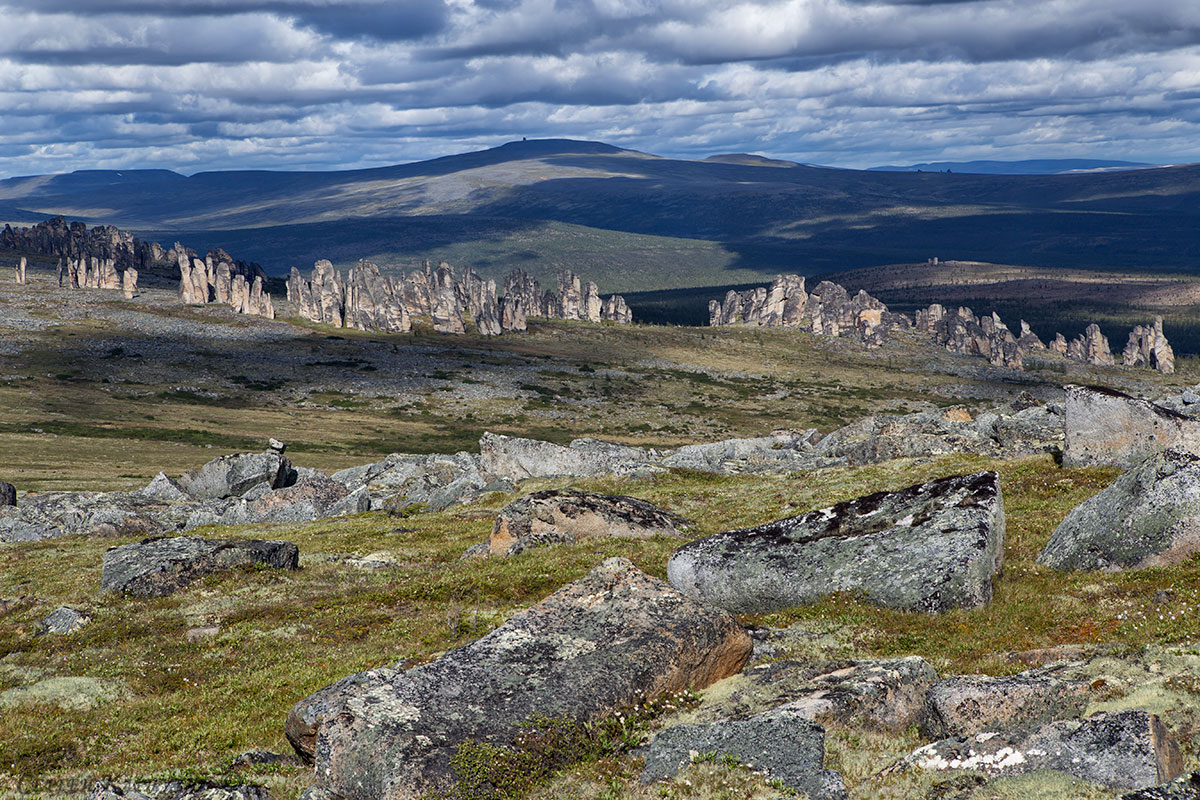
<point x="886" y="694"/>
<point x="156" y="567"/>
<point x="517" y="459"/>
<point x="592" y="648"/>
<point x="435" y="481"/>
<point x="54" y="514"/>
<point x="231" y="476"/>
<point x="306" y="500"/>
<point x="783" y="451"/>
<point x="968" y="704"/>
<point x="930" y="547"/>
<point x="1147" y="517"/>
<point x="567" y="515"/>
<point x="8" y="494"/>
<point x="166" y="489"/>
<point x="1119" y="750"/>
<point x="62" y="620"/>
<point x="1106" y="427"/>
<point x="787" y="746"/>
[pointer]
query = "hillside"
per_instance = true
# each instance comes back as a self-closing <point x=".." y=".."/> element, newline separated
<point x="749" y="216"/>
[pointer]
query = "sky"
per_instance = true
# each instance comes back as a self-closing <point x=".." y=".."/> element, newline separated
<point x="195" y="85"/>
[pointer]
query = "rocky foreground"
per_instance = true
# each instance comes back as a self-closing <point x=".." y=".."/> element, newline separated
<point x="617" y="638"/>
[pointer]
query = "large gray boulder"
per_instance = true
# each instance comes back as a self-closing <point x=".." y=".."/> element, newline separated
<point x="594" y="647"/>
<point x="1120" y="750"/>
<point x="930" y="547"/>
<point x="786" y="745"/>
<point x="1147" y="517"/>
<point x="1106" y="427"/>
<point x="156" y="567"/>
<point x="233" y="475"/>
<point x="434" y="481"/>
<point x="784" y="451"/>
<point x="564" y="516"/>
<point x="517" y="459"/>
<point x="968" y="704"/>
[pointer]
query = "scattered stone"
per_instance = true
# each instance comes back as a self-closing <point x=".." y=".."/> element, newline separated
<point x="1119" y="750"/>
<point x="1190" y="397"/>
<point x="968" y="704"/>
<point x="374" y="561"/>
<point x="567" y="515"/>
<point x="788" y="746"/>
<point x="252" y="758"/>
<point x="1148" y="517"/>
<point x="930" y="547"/>
<point x="276" y="446"/>
<point x="887" y="694"/>
<point x="233" y="475"/>
<point x="1105" y="427"/>
<point x="62" y="620"/>
<point x="592" y="648"/>
<point x="8" y="494"/>
<point x="175" y="790"/>
<point x="156" y="567"/>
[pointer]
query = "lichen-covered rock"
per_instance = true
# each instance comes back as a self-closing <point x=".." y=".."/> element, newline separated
<point x="968" y="704"/>
<point x="564" y="516"/>
<point x="1120" y="750"/>
<point x="436" y="481"/>
<point x="175" y="790"/>
<point x="156" y="567"/>
<point x="233" y="475"/>
<point x="930" y="547"/>
<point x="593" y="647"/>
<point x="62" y="620"/>
<point x="1185" y="787"/>
<point x="1147" y="517"/>
<point x="166" y="489"/>
<point x="8" y="494"/>
<point x="1148" y="347"/>
<point x="787" y="746"/>
<point x="783" y="451"/>
<point x="884" y="694"/>
<point x="1104" y="426"/>
<point x="54" y="514"/>
<point x="516" y="459"/>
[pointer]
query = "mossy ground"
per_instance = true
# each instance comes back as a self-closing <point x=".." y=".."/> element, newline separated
<point x="76" y="414"/>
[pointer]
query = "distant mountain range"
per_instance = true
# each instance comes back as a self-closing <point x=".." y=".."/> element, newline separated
<point x="639" y="222"/>
<point x="1037" y="166"/>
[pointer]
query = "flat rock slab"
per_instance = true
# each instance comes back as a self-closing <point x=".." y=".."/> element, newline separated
<point x="592" y="648"/>
<point x="517" y="459"/>
<point x="886" y="694"/>
<point x="156" y="567"/>
<point x="175" y="790"/>
<point x="564" y="516"/>
<point x="1119" y="750"/>
<point x="1147" y="517"/>
<point x="930" y="547"/>
<point x="968" y="704"/>
<point x="789" y="747"/>
<point x="1105" y="427"/>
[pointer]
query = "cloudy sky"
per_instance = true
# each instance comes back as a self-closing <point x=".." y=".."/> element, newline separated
<point x="195" y="85"/>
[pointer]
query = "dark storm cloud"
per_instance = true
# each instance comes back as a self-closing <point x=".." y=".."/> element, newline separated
<point x="203" y="84"/>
